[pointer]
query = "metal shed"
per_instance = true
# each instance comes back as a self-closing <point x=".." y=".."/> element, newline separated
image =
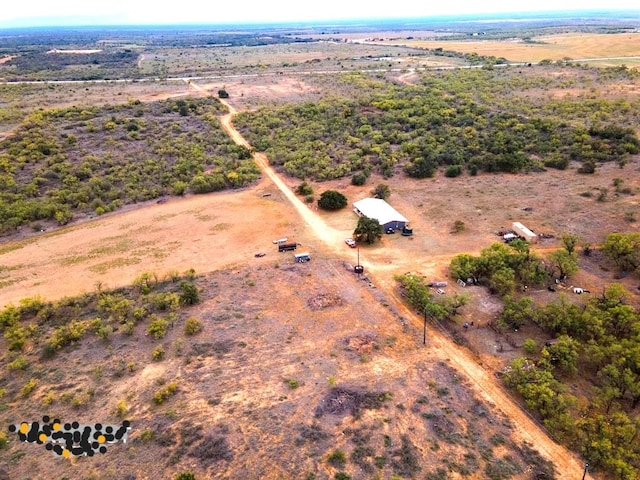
<point x="377" y="208"/>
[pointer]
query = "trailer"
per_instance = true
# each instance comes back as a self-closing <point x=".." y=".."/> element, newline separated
<point x="302" y="257"/>
<point x="524" y="232"/>
<point x="287" y="247"/>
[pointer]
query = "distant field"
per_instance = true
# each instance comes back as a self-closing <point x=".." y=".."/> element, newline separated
<point x="553" y="47"/>
<point x="283" y="57"/>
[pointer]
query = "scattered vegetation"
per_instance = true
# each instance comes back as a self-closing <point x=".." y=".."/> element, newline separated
<point x="78" y="159"/>
<point x="442" y="123"/>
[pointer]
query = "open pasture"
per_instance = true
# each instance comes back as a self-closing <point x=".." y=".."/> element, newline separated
<point x="553" y="47"/>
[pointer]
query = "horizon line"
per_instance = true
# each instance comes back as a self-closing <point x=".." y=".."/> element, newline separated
<point x="76" y="22"/>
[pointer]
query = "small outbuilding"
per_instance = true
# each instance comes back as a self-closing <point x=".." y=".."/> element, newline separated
<point x="377" y="208"/>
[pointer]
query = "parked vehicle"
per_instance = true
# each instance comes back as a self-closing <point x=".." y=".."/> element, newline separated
<point x="351" y="242"/>
<point x="390" y="230"/>
<point x="287" y="247"/>
<point x="280" y="240"/>
<point x="302" y="257"/>
<point x="259" y="254"/>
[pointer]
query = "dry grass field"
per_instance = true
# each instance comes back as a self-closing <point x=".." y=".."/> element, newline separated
<point x="268" y="391"/>
<point x="553" y="47"/>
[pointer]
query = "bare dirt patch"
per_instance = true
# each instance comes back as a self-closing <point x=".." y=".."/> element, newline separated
<point x="250" y="92"/>
<point x="324" y="300"/>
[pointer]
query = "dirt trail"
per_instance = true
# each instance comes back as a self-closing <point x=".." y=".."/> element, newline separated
<point x="410" y="78"/>
<point x="331" y="237"/>
<point x="480" y="377"/>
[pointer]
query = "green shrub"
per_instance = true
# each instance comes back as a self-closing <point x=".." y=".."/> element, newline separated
<point x="332" y="200"/>
<point x="20" y="363"/>
<point x="9" y="316"/>
<point x="121" y="410"/>
<point x="16" y="337"/>
<point x="158" y="353"/>
<point x="189" y="293"/>
<point x="557" y="161"/>
<point x="165" y="393"/>
<point x="458" y="226"/>
<point x="66" y="335"/>
<point x="337" y="458"/>
<point x="304" y="189"/>
<point x="293" y="383"/>
<point x="453" y="171"/>
<point x="381" y="191"/>
<point x="184" y="476"/>
<point x="30" y="306"/>
<point x="206" y="183"/>
<point x="192" y="326"/>
<point x="165" y="301"/>
<point x="4" y="441"/>
<point x="179" y="187"/>
<point x="158" y="328"/>
<point x="530" y="346"/>
<point x="147" y="435"/>
<point x="359" y="178"/>
<point x="28" y="387"/>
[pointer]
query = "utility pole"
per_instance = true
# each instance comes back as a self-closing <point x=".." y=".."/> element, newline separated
<point x="424" y="331"/>
<point x="586" y="467"/>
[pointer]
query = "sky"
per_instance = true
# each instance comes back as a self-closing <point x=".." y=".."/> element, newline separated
<point x="139" y="12"/>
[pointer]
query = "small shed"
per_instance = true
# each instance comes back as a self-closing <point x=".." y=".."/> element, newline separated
<point x="524" y="232"/>
<point x="377" y="208"/>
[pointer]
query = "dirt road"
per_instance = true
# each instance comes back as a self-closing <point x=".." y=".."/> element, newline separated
<point x="482" y="379"/>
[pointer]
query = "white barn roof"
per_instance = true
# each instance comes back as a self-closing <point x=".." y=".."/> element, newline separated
<point x="378" y="209"/>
